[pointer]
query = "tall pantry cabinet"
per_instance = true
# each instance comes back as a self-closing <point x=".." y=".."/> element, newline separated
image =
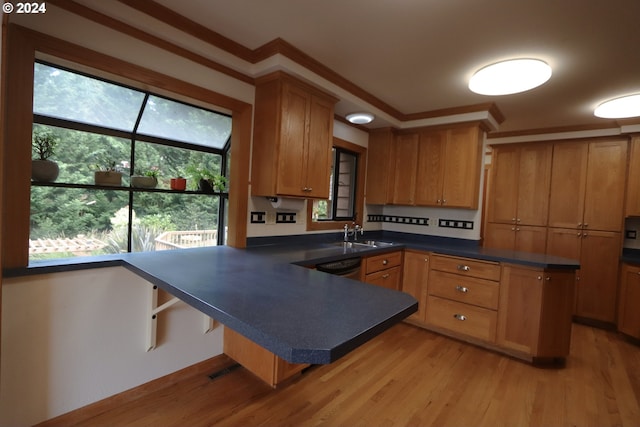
<point x="518" y="205"/>
<point x="586" y="218"/>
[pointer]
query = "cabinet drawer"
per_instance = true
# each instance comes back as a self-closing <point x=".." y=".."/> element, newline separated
<point x="467" y="267"/>
<point x="470" y="290"/>
<point x="462" y="318"/>
<point x="389" y="278"/>
<point x="383" y="261"/>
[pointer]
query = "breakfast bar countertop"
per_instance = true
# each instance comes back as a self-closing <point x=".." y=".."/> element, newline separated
<point x="301" y="315"/>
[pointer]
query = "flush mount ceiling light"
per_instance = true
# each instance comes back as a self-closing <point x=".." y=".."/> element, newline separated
<point x="619" y="108"/>
<point x="360" y="118"/>
<point x="511" y="76"/>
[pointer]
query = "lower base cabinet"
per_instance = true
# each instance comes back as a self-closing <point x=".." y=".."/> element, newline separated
<point x="535" y="311"/>
<point x="521" y="311"/>
<point x="261" y="362"/>
<point x="383" y="270"/>
<point x="629" y="301"/>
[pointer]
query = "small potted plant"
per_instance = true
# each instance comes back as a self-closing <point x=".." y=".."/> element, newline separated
<point x="179" y="183"/>
<point x="206" y="181"/>
<point x="107" y="174"/>
<point x="146" y="179"/>
<point x="43" y="145"/>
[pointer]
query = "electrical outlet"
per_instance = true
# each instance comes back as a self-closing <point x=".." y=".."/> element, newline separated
<point x="630" y="234"/>
<point x="271" y="217"/>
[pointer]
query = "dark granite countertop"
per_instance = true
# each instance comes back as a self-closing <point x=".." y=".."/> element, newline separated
<point x="262" y="292"/>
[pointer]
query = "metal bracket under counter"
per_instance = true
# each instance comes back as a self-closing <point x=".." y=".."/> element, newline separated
<point x="208" y="324"/>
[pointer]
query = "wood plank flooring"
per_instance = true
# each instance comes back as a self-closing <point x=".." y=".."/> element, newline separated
<point x="410" y="377"/>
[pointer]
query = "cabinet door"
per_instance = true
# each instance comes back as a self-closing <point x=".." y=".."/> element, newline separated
<point x="531" y="239"/>
<point x="414" y="280"/>
<point x="379" y="167"/>
<point x="519" y="308"/>
<point x="633" y="178"/>
<point x="406" y="163"/>
<point x="431" y="163"/>
<point x="534" y="180"/>
<point x="629" y="301"/>
<point x="568" y="181"/>
<point x="499" y="236"/>
<point x="503" y="200"/>
<point x="534" y="312"/>
<point x="605" y="185"/>
<point x="461" y="179"/>
<point x="318" y="157"/>
<point x="597" y="288"/>
<point x="291" y="178"/>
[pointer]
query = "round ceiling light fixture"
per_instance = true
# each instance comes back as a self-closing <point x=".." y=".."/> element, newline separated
<point x="360" y="118"/>
<point x="511" y="76"/>
<point x="619" y="108"/>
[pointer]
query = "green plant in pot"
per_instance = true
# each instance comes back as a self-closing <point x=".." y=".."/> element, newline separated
<point x="206" y="180"/>
<point x="107" y="174"/>
<point x="147" y="178"/>
<point x="43" y="145"/>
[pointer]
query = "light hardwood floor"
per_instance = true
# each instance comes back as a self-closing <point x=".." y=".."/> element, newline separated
<point x="410" y="377"/>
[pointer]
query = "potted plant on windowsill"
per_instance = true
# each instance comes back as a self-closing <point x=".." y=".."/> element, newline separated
<point x="207" y="181"/>
<point x="107" y="174"/>
<point x="179" y="183"/>
<point x="146" y="179"/>
<point x="43" y="146"/>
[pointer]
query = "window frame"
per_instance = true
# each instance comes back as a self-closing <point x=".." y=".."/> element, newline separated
<point x="361" y="153"/>
<point x="134" y="137"/>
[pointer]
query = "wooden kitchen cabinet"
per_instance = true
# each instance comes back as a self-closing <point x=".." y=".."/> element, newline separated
<point x="383" y="270"/>
<point x="293" y="134"/>
<point x="633" y="191"/>
<point x="380" y="166"/>
<point x="596" y="281"/>
<point x="449" y="164"/>
<point x="629" y="301"/>
<point x="258" y="360"/>
<point x="588" y="185"/>
<point x="524" y="238"/>
<point x="415" y="275"/>
<point x="518" y="199"/>
<point x="534" y="312"/>
<point x="463" y="296"/>
<point x="405" y="169"/>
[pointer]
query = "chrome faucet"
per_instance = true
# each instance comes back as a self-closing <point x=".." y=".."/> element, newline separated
<point x="352" y="232"/>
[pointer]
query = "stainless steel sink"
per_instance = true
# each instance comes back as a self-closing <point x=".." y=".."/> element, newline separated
<point x="364" y="244"/>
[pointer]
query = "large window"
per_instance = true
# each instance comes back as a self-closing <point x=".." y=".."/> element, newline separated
<point x="101" y="124"/>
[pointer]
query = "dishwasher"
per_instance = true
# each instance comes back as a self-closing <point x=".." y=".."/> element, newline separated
<point x="349" y="268"/>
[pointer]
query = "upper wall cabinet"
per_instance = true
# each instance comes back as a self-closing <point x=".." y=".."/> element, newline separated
<point x="380" y="166"/>
<point x="429" y="167"/>
<point x="449" y="166"/>
<point x="292" y="138"/>
<point x="633" y="191"/>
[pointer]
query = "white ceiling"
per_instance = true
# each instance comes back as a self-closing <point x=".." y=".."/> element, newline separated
<point x="417" y="55"/>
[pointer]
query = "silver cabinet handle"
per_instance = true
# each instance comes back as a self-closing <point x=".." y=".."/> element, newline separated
<point x="386" y="276"/>
<point x="462" y="267"/>
<point x="385" y="262"/>
<point x="460" y="317"/>
<point x="462" y="289"/>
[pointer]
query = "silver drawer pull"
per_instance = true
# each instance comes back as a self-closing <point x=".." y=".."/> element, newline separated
<point x="385" y="262"/>
<point x="462" y="289"/>
<point x="462" y="267"/>
<point x="386" y="276"/>
<point x="460" y="317"/>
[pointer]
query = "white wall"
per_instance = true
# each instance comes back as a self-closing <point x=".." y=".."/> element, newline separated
<point x="70" y="339"/>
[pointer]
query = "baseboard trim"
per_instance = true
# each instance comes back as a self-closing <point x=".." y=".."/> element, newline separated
<point x="205" y="367"/>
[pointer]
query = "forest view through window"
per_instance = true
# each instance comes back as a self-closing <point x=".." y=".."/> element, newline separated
<point x="100" y="125"/>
